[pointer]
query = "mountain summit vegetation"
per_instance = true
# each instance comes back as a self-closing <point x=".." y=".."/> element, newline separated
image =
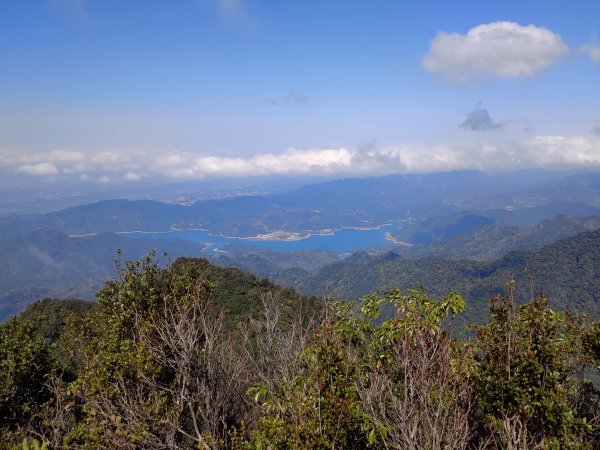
<point x="167" y="359"/>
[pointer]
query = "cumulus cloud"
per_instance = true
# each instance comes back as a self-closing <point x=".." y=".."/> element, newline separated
<point x="170" y="160"/>
<point x="71" y="161"/>
<point x="498" y="49"/>
<point x="117" y="160"/>
<point x="484" y="151"/>
<point x="66" y="156"/>
<point x="293" y="97"/>
<point x="508" y="154"/>
<point x="291" y="161"/>
<point x="132" y="176"/>
<point x="561" y="151"/>
<point x="479" y="120"/>
<point x="44" y="168"/>
<point x="413" y="158"/>
<point x="545" y="151"/>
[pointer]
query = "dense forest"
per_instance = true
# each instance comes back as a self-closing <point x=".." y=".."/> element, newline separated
<point x="476" y="263"/>
<point x="566" y="270"/>
<point x="194" y="356"/>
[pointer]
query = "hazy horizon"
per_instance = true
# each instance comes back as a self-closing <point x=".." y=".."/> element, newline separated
<point x="107" y="93"/>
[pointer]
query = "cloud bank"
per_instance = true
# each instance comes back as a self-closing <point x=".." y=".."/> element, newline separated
<point x="44" y="168"/>
<point x="505" y="153"/>
<point x="498" y="49"/>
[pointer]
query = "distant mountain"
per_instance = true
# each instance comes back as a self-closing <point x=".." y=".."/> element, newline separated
<point x="466" y="238"/>
<point x="568" y="271"/>
<point x="456" y="214"/>
<point x="50" y="264"/>
<point x="335" y="204"/>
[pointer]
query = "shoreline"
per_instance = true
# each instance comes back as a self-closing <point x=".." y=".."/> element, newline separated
<point x="391" y="238"/>
<point x="279" y="235"/>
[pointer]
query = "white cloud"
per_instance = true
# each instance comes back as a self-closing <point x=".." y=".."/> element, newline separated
<point x="545" y="151"/>
<point x="292" y="161"/>
<point x="65" y="156"/>
<point x="170" y="160"/>
<point x="498" y="49"/>
<point x="559" y="151"/>
<point x="44" y="168"/>
<point x="485" y="151"/>
<point x="55" y="157"/>
<point x="505" y="152"/>
<point x="111" y="160"/>
<point x="594" y="52"/>
<point x="132" y="176"/>
<point x="411" y="158"/>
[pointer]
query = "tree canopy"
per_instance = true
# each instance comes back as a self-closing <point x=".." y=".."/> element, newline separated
<point x="194" y="356"/>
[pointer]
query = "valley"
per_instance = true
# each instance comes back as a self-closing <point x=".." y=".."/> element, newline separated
<point x="344" y="238"/>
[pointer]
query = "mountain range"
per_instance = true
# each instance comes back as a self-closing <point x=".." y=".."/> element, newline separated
<point x="470" y="231"/>
<point x="363" y="202"/>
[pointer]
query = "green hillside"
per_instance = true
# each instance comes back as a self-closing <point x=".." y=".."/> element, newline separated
<point x="52" y="264"/>
<point x="196" y="356"/>
<point x="568" y="271"/>
<point x="487" y="235"/>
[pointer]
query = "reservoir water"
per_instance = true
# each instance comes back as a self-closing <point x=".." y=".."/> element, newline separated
<point x="341" y="241"/>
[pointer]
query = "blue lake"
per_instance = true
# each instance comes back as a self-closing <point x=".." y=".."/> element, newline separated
<point x="342" y="241"/>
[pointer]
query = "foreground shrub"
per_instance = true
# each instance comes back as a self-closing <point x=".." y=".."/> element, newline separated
<point x="531" y="374"/>
<point x="158" y="364"/>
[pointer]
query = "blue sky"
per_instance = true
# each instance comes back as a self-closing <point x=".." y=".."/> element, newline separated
<point x="106" y="91"/>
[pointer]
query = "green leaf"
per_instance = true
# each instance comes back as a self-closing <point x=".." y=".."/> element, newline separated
<point x="372" y="436"/>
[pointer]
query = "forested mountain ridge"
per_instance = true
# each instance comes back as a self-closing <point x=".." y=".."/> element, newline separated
<point x="468" y="224"/>
<point x="481" y="243"/>
<point x="492" y="241"/>
<point x="568" y="271"/>
<point x="161" y="362"/>
<point x="51" y="264"/>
